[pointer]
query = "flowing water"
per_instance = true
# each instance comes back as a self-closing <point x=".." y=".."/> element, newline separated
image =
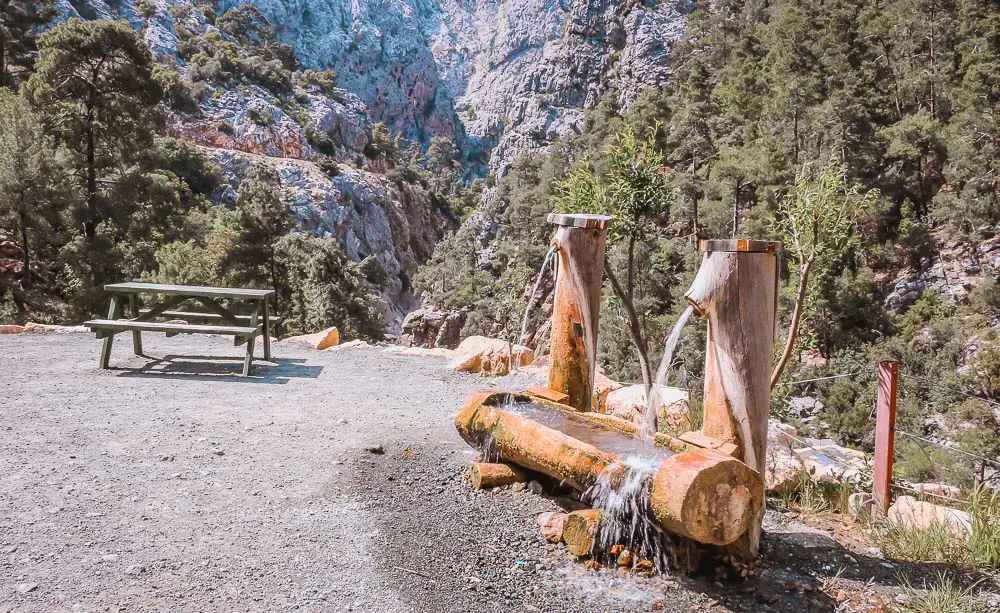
<point x="648" y="426"/>
<point x="622" y="490"/>
<point x="516" y="358"/>
<point x="604" y="439"/>
<point x="623" y="493"/>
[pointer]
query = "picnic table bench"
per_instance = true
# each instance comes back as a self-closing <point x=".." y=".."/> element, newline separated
<point x="219" y="319"/>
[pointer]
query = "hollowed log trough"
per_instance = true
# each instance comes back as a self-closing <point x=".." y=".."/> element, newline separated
<point x="701" y="494"/>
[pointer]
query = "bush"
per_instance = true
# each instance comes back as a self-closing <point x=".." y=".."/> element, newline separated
<point x="260" y="117"/>
<point x="322" y="288"/>
<point x="329" y="167"/>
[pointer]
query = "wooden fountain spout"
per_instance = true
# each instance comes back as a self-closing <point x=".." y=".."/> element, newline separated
<point x="736" y="291"/>
<point x="579" y="242"/>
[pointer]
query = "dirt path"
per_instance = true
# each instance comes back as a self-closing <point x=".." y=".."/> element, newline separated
<point x="174" y="485"/>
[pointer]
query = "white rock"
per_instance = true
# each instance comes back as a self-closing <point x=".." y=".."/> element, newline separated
<point x="917" y="514"/>
<point x="672" y="416"/>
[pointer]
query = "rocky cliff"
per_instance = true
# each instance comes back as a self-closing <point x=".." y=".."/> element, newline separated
<point x="496" y="77"/>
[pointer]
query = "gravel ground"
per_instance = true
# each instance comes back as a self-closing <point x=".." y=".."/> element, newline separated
<point x="328" y="481"/>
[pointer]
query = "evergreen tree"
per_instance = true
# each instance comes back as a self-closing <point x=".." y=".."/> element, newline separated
<point x="95" y="92"/>
<point x="261" y="219"/>
<point x="30" y="199"/>
<point x="19" y="22"/>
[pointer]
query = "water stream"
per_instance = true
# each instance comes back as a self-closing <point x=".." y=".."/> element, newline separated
<point x="623" y="492"/>
<point x="648" y="426"/>
<point x="516" y="358"/>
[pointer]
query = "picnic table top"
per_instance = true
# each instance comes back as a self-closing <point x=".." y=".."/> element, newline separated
<point x="190" y="290"/>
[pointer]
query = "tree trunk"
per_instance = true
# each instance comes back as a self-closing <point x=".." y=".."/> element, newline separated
<point x="580" y="531"/>
<point x="483" y="475"/>
<point x="90" y="216"/>
<point x="25" y="252"/>
<point x="735" y="291"/>
<point x="3" y="59"/>
<point x="634" y="328"/>
<point x="793" y="327"/>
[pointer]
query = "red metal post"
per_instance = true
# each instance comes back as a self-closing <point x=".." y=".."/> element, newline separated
<point x="885" y="433"/>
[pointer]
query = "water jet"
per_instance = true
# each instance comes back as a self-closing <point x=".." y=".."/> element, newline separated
<point x="703" y="486"/>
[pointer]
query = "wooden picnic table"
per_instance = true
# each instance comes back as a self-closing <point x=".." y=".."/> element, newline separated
<point x="220" y="319"/>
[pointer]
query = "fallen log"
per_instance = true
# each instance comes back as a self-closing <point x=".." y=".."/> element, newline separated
<point x="580" y="531"/>
<point x="485" y="475"/>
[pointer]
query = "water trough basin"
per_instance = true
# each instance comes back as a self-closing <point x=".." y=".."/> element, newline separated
<point x="701" y="494"/>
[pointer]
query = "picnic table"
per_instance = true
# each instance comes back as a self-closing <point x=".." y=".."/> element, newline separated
<point x="219" y="318"/>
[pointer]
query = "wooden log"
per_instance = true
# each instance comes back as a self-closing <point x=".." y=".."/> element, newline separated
<point x="580" y="240"/>
<point x="580" y="531"/>
<point x="699" y="488"/>
<point x="706" y="496"/>
<point x="530" y="444"/>
<point x="736" y="290"/>
<point x="485" y="475"/>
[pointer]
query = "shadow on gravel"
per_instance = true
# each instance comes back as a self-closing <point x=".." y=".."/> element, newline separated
<point x="222" y="368"/>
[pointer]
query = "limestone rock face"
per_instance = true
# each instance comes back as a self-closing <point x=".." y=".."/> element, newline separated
<point x="431" y="328"/>
<point x="497" y="77"/>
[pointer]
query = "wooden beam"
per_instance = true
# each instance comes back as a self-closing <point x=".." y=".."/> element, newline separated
<point x="885" y="434"/>
<point x="109" y="339"/>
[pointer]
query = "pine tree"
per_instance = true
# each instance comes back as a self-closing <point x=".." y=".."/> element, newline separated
<point x="95" y="92"/>
<point x="261" y="219"/>
<point x="30" y="199"/>
<point x="19" y="22"/>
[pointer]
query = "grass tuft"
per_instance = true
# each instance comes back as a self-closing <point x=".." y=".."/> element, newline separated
<point x="944" y="595"/>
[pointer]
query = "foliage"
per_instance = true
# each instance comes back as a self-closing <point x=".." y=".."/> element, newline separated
<point x="19" y="24"/>
<point x="31" y="194"/>
<point x="817" y="219"/>
<point x="944" y="595"/>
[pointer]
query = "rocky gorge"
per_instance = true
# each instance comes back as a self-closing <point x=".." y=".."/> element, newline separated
<point x="494" y="78"/>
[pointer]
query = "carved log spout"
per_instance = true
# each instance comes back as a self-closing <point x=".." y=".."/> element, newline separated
<point x="736" y="291"/>
<point x="579" y="241"/>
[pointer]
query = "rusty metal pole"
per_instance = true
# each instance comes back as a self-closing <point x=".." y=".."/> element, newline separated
<point x="885" y="434"/>
<point x="579" y="241"/>
<point x="736" y="291"/>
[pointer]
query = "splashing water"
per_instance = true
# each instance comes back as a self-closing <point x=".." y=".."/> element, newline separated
<point x="516" y="358"/>
<point x="648" y="427"/>
<point x="623" y="492"/>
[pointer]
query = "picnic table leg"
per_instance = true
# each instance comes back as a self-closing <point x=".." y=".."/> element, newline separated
<point x="267" y="332"/>
<point x="133" y="304"/>
<point x="106" y="346"/>
<point x="248" y="361"/>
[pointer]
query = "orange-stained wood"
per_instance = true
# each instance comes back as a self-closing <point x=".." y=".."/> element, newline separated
<point x="701" y="494"/>
<point x="576" y="307"/>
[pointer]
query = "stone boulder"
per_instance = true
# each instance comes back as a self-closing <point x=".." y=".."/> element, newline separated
<point x="319" y="340"/>
<point x="355" y="344"/>
<point x="939" y="489"/>
<point x="914" y="514"/>
<point x="672" y="416"/>
<point x="489" y="356"/>
<point x="551" y="524"/>
<point x="783" y="470"/>
<point x="602" y="387"/>
<point x="41" y="329"/>
<point x="432" y="328"/>
<point x="827" y="462"/>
